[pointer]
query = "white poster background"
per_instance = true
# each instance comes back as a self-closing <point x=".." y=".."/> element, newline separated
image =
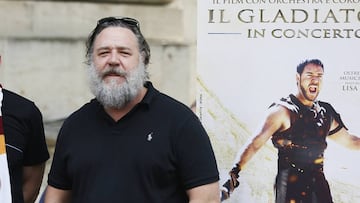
<point x="241" y="73"/>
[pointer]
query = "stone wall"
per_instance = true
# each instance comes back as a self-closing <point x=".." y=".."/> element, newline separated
<point x="42" y="48"/>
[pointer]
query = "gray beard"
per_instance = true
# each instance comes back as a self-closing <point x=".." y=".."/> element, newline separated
<point x="113" y="95"/>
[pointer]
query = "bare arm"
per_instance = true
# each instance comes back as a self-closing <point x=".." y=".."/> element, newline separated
<point x="204" y="194"/>
<point x="344" y="138"/>
<point x="32" y="179"/>
<point x="278" y="119"/>
<point x="54" y="195"/>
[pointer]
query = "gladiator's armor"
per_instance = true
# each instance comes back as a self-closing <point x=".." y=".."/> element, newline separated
<point x="301" y="149"/>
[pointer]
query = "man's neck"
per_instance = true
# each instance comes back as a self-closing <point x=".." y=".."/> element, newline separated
<point x="304" y="101"/>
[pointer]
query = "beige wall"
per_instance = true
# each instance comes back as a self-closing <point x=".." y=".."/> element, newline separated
<point x="42" y="44"/>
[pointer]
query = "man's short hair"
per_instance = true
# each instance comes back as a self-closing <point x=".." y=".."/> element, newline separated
<point x="125" y="22"/>
<point x="301" y="66"/>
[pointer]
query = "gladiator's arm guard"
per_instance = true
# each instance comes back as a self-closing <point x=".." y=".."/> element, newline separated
<point x="232" y="183"/>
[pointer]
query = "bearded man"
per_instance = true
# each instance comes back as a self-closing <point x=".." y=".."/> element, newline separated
<point x="131" y="143"/>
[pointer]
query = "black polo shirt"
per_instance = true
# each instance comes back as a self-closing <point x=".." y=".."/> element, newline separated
<point x="153" y="154"/>
<point x="24" y="137"/>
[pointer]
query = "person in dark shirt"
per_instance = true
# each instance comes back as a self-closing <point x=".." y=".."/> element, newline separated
<point x="26" y="147"/>
<point x="131" y="143"/>
<point x="298" y="126"/>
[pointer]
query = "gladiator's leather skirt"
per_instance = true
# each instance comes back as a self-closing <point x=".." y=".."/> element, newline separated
<point x="301" y="186"/>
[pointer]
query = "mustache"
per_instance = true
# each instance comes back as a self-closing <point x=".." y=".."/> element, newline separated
<point x="113" y="71"/>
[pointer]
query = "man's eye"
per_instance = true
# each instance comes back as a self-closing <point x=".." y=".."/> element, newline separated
<point x="103" y="53"/>
<point x="126" y="53"/>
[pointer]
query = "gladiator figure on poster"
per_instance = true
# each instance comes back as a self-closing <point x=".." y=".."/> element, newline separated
<point x="299" y="126"/>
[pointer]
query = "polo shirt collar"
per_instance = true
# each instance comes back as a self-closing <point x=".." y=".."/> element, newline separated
<point x="150" y="94"/>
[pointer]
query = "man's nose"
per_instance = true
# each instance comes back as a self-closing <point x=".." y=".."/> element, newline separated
<point x="315" y="79"/>
<point x="114" y="59"/>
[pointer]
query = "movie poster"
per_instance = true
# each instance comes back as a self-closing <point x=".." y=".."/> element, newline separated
<point x="248" y="51"/>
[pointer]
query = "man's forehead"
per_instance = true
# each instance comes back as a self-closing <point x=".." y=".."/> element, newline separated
<point x="115" y="37"/>
<point x="313" y="67"/>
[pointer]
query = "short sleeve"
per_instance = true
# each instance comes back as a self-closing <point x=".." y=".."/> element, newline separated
<point x="58" y="176"/>
<point x="195" y="156"/>
<point x="36" y="150"/>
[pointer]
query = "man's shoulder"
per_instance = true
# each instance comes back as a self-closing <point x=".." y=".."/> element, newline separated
<point x="85" y="109"/>
<point x="324" y="103"/>
<point x="12" y="97"/>
<point x="15" y="104"/>
<point x="171" y="104"/>
<point x="83" y="117"/>
<point x="164" y="102"/>
<point x="327" y="106"/>
<point x="286" y="103"/>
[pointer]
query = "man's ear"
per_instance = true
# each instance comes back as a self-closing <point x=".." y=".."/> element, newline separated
<point x="297" y="78"/>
